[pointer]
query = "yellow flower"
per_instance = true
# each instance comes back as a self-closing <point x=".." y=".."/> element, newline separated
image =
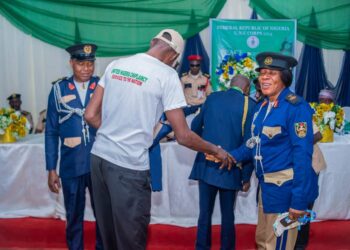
<point x="13" y="116"/>
<point x="12" y="127"/>
<point x="248" y="63"/>
<point x="21" y="132"/>
<point x="225" y="74"/>
<point x="320" y="114"/>
<point x="23" y="120"/>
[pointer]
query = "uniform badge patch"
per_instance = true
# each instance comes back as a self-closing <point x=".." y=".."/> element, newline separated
<point x="300" y="129"/>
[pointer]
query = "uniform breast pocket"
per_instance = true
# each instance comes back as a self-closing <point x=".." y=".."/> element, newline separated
<point x="188" y="85"/>
<point x="271" y="132"/>
<point x="280" y="177"/>
<point x="68" y="98"/>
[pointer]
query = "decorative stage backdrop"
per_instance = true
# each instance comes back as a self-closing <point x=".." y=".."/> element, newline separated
<point x="235" y="43"/>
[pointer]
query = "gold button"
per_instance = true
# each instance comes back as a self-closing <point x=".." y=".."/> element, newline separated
<point x="278" y="182"/>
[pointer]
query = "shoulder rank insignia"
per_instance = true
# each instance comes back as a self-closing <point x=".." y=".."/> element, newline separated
<point x="206" y="75"/>
<point x="293" y="99"/>
<point x="59" y="80"/>
<point x="300" y="129"/>
<point x="92" y="85"/>
<point x="71" y="86"/>
<point x="184" y="74"/>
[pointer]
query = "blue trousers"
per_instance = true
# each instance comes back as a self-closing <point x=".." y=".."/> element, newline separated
<point x="74" y="202"/>
<point x="207" y="195"/>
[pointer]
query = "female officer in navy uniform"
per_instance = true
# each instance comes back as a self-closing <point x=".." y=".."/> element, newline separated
<point x="65" y="122"/>
<point x="281" y="145"/>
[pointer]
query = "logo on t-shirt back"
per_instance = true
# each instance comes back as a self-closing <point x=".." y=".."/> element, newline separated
<point x="126" y="76"/>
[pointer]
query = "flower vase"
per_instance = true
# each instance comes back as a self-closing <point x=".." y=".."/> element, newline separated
<point x="327" y="134"/>
<point x="7" y="137"/>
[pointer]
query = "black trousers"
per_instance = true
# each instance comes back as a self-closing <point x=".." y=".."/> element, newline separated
<point x="122" y="204"/>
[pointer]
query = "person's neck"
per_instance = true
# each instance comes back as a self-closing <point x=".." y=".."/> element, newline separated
<point x="275" y="97"/>
<point x="195" y="75"/>
<point x="237" y="88"/>
<point x="82" y="85"/>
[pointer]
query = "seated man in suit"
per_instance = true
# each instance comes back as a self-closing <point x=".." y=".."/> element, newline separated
<point x="15" y="103"/>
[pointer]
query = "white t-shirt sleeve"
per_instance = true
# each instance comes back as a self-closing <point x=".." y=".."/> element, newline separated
<point x="173" y="95"/>
<point x="105" y="76"/>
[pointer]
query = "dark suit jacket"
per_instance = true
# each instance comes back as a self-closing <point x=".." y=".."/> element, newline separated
<point x="220" y="122"/>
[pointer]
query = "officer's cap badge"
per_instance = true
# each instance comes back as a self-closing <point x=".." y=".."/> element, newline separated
<point x="87" y="49"/>
<point x="300" y="129"/>
<point x="268" y="60"/>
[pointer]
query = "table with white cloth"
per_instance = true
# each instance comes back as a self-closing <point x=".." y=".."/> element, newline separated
<point x="24" y="190"/>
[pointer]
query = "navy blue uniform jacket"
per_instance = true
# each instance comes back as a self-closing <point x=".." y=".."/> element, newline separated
<point x="220" y="122"/>
<point x="74" y="157"/>
<point x="286" y="177"/>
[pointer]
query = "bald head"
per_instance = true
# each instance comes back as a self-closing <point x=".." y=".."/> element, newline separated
<point x="241" y="82"/>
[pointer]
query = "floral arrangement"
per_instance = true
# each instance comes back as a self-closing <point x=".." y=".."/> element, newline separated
<point x="14" y="121"/>
<point x="233" y="64"/>
<point x="331" y="115"/>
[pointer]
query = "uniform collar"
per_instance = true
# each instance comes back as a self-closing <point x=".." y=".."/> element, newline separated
<point x="280" y="98"/>
<point x="237" y="89"/>
<point x="195" y="76"/>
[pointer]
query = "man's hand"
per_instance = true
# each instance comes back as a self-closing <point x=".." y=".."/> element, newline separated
<point x="246" y="186"/>
<point x="222" y="156"/>
<point x="295" y="214"/>
<point x="54" y="181"/>
<point x="225" y="158"/>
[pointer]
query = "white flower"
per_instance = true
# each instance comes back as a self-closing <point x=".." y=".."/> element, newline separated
<point x="328" y="116"/>
<point x="2" y="131"/>
<point x="28" y="125"/>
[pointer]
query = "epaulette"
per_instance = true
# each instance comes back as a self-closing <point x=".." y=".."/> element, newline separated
<point x="25" y="113"/>
<point x="206" y="75"/>
<point x="42" y="112"/>
<point x="184" y="74"/>
<point x="293" y="99"/>
<point x="59" y="79"/>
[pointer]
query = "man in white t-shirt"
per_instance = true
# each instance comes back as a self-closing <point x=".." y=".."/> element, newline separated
<point x="127" y="103"/>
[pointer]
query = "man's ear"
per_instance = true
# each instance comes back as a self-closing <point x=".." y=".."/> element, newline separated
<point x="175" y="59"/>
<point x="153" y="41"/>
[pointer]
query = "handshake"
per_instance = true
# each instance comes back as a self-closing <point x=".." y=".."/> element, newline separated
<point x="221" y="156"/>
<point x="210" y="157"/>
